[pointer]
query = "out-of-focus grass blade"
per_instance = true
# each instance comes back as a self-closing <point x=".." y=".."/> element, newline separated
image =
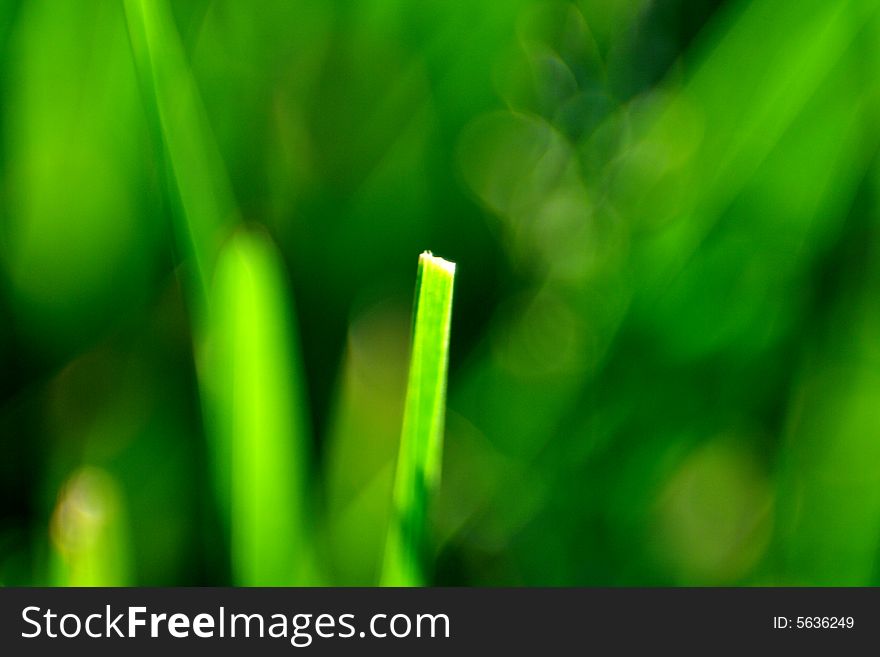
<point x="75" y="178"/>
<point x="362" y="440"/>
<point x="421" y="440"/>
<point x="717" y="130"/>
<point x="89" y="533"/>
<point x="206" y="203"/>
<point x="829" y="480"/>
<point x="829" y="483"/>
<point x="251" y="384"/>
<point x="256" y="415"/>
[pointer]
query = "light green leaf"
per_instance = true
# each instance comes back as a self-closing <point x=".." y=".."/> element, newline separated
<point x="256" y="415"/>
<point x="421" y="441"/>
<point x="90" y="544"/>
<point x="197" y="173"/>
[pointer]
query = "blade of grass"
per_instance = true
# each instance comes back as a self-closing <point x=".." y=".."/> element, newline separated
<point x="197" y="172"/>
<point x="89" y="533"/>
<point x="421" y="440"/>
<point x="828" y="514"/>
<point x="256" y="417"/>
<point x="246" y="344"/>
<point x="736" y="123"/>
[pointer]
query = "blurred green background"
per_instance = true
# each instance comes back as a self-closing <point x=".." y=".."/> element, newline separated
<point x="665" y="356"/>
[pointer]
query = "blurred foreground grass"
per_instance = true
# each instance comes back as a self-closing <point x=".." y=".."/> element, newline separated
<point x="664" y="360"/>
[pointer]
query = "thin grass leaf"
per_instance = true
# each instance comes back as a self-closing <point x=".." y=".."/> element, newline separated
<point x="829" y="474"/>
<point x="89" y="533"/>
<point x="198" y="175"/>
<point x="248" y="375"/>
<point x="421" y="440"/>
<point x="734" y="123"/>
<point x="257" y="417"/>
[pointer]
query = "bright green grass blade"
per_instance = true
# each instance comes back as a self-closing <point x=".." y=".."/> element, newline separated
<point x="256" y="416"/>
<point x="89" y="533"/>
<point x="421" y="440"/>
<point x="197" y="170"/>
<point x="251" y="384"/>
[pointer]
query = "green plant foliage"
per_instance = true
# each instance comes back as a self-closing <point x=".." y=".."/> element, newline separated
<point x="664" y="364"/>
<point x="196" y="172"/>
<point x="89" y="530"/>
<point x="258" y="427"/>
<point x="421" y="440"/>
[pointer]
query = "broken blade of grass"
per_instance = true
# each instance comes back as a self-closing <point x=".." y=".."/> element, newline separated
<point x="421" y="440"/>
<point x="257" y="419"/>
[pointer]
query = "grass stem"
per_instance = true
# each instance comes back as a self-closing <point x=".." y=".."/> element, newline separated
<point x="421" y="440"/>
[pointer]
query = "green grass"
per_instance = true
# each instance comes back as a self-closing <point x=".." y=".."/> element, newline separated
<point x="421" y="441"/>
<point x="204" y="205"/>
<point x="245" y="342"/>
<point x="89" y="531"/>
<point x="249" y="374"/>
<point x="670" y="336"/>
<point x="259" y="431"/>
